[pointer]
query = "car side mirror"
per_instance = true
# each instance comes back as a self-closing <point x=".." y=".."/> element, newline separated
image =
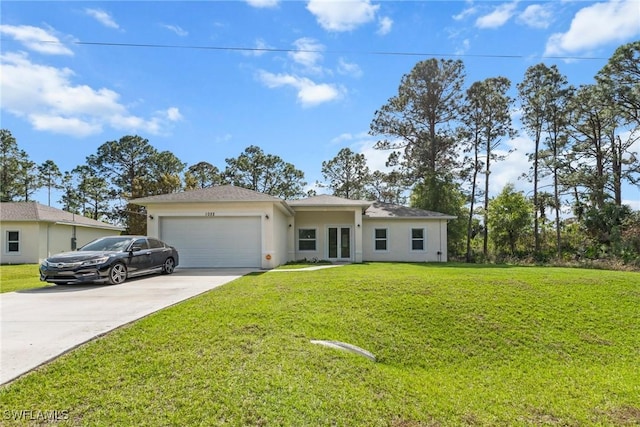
<point x="136" y="249"/>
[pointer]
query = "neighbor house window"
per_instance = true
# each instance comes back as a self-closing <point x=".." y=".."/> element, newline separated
<point x="307" y="239"/>
<point x="417" y="239"/>
<point x="13" y="241"/>
<point x="380" y="239"/>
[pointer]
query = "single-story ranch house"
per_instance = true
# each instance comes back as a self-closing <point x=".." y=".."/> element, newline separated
<point x="228" y="226"/>
<point x="30" y="232"/>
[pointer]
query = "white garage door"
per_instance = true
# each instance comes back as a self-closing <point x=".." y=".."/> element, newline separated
<point x="214" y="242"/>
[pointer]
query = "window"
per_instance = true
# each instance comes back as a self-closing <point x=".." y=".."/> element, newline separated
<point x="307" y="239"/>
<point x="155" y="244"/>
<point x="417" y="239"/>
<point x="380" y="239"/>
<point x="13" y="241"/>
<point x="141" y="243"/>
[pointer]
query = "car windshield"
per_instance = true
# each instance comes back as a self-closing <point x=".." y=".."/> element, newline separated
<point x="108" y="244"/>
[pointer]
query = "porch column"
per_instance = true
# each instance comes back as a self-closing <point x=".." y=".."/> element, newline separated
<point x="357" y="240"/>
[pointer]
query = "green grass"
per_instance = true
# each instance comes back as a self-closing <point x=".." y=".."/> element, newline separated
<point x="456" y="345"/>
<point x="19" y="277"/>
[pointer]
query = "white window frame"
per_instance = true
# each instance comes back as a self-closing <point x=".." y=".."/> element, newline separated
<point x="314" y="240"/>
<point x="19" y="242"/>
<point x="376" y="239"/>
<point x="423" y="239"/>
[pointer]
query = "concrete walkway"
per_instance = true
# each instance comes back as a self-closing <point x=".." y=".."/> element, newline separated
<point x="40" y="324"/>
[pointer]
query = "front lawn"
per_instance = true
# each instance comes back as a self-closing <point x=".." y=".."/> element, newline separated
<point x="456" y="345"/>
<point x="19" y="277"/>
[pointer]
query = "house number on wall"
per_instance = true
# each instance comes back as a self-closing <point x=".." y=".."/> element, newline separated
<point x="209" y="214"/>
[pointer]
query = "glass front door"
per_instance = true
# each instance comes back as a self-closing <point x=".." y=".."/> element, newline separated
<point x="339" y="243"/>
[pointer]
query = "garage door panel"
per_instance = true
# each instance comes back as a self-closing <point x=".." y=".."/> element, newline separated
<point x="214" y="242"/>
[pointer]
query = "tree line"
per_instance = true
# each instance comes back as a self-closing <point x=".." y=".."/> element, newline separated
<point x="444" y="140"/>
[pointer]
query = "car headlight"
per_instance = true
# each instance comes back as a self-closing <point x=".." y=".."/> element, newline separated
<point x="95" y="261"/>
<point x="45" y="263"/>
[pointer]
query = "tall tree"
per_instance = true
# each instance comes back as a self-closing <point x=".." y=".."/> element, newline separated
<point x="622" y="75"/>
<point x="70" y="198"/>
<point x="471" y="132"/>
<point x="620" y="81"/>
<point x="27" y="178"/>
<point x="488" y="121"/>
<point x="347" y="174"/>
<point x="51" y="177"/>
<point x="126" y="163"/>
<point x="537" y="92"/>
<point x="265" y="173"/>
<point x="590" y="153"/>
<point x="93" y="194"/>
<point x="9" y="166"/>
<point x="164" y="177"/>
<point x="202" y="175"/>
<point x="387" y="187"/>
<point x="416" y="122"/>
<point x="557" y="130"/>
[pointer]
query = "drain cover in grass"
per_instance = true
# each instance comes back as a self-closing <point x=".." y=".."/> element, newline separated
<point x="346" y="347"/>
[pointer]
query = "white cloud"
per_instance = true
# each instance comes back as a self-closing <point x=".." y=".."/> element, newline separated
<point x="308" y="53"/>
<point x="500" y="15"/>
<point x="309" y="92"/>
<point x="263" y="3"/>
<point x="102" y="17"/>
<point x="260" y="47"/>
<point x="464" y="47"/>
<point x="47" y="98"/>
<point x="176" y="29"/>
<point x="384" y="25"/>
<point x="471" y="10"/>
<point x="342" y="15"/>
<point x="536" y="16"/>
<point x="596" y="25"/>
<point x="173" y="114"/>
<point x="36" y="39"/>
<point x="349" y="68"/>
<point x="64" y="125"/>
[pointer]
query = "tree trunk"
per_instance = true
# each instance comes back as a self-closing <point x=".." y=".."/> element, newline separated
<point x="485" y="242"/>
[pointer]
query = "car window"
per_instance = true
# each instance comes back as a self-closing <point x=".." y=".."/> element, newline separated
<point x="141" y="243"/>
<point x="107" y="244"/>
<point x="155" y="243"/>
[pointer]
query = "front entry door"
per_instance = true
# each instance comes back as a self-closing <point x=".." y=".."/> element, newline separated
<point x="339" y="243"/>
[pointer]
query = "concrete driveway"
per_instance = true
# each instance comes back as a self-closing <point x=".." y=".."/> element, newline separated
<point x="40" y="324"/>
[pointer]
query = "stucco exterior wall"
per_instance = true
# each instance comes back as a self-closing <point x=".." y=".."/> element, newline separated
<point x="320" y="221"/>
<point x="399" y="240"/>
<point x="274" y="228"/>
<point x="29" y="242"/>
<point x="41" y="240"/>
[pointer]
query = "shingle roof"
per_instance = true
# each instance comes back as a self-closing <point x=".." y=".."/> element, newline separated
<point x="327" y="200"/>
<point x="222" y="193"/>
<point x="35" y="212"/>
<point x="388" y="210"/>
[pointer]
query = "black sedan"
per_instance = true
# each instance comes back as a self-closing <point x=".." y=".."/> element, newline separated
<point x="110" y="259"/>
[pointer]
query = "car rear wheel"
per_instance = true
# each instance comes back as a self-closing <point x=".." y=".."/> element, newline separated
<point x="117" y="274"/>
<point x="169" y="266"/>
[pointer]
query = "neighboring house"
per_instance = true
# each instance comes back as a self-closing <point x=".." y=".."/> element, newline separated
<point x="30" y="232"/>
<point x="229" y="226"/>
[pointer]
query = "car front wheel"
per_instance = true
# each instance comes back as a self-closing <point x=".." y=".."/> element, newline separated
<point x="117" y="274"/>
<point x="169" y="266"/>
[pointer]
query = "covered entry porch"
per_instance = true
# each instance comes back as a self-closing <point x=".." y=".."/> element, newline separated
<point x="327" y="227"/>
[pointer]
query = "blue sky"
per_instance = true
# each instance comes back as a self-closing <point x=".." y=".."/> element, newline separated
<point x="300" y="79"/>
